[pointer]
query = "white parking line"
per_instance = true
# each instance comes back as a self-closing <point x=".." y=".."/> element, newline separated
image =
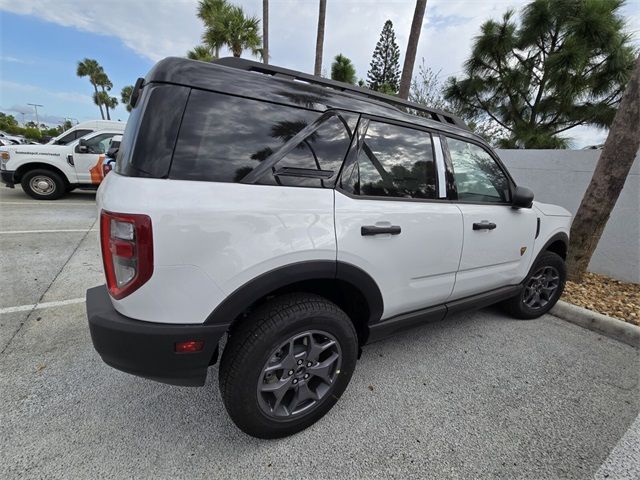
<point x="49" y="203"/>
<point x="71" y="230"/>
<point x="38" y="306"/>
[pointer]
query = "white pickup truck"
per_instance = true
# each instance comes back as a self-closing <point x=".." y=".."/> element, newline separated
<point x="71" y="160"/>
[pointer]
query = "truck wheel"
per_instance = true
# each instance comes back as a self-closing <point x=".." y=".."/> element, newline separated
<point x="43" y="184"/>
<point x="287" y="364"/>
<point x="541" y="289"/>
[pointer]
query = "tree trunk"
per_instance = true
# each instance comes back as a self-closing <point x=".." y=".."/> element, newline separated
<point x="317" y="69"/>
<point x="265" y="31"/>
<point x="106" y="105"/>
<point x="412" y="49"/>
<point x="95" y="87"/>
<point x="616" y="159"/>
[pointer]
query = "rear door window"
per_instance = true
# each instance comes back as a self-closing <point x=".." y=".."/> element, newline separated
<point x="393" y="161"/>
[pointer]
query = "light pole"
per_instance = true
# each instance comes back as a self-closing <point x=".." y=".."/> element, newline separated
<point x="35" y="107"/>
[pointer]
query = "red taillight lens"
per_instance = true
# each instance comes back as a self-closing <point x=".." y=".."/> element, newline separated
<point x="190" y="346"/>
<point x="127" y="251"/>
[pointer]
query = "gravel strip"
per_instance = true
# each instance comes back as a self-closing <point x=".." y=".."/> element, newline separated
<point x="606" y="295"/>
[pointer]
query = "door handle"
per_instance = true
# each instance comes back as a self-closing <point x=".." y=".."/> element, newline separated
<point x="366" y="230"/>
<point x="484" y="225"/>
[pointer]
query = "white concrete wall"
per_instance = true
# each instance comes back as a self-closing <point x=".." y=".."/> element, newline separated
<point x="561" y="177"/>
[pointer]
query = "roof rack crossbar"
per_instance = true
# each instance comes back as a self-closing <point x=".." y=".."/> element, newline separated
<point x="279" y="72"/>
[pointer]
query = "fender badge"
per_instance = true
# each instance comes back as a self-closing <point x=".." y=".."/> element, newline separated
<point x="522" y="250"/>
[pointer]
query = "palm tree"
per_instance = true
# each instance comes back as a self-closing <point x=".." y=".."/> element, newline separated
<point x="102" y="80"/>
<point x="125" y="96"/>
<point x="92" y="69"/>
<point x="265" y="31"/>
<point x="236" y="31"/>
<point x="201" y="53"/>
<point x="343" y="70"/>
<point x="210" y="11"/>
<point x="322" y="12"/>
<point x="412" y="48"/>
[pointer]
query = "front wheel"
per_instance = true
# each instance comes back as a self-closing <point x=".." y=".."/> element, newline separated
<point x="43" y="184"/>
<point x="287" y="364"/>
<point x="541" y="289"/>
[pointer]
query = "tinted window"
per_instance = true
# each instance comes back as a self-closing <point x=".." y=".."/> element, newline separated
<point x="99" y="143"/>
<point x="322" y="149"/>
<point x="223" y="138"/>
<point x="151" y="131"/>
<point x="81" y="133"/>
<point x="71" y="136"/>
<point x="393" y="161"/>
<point x="478" y="176"/>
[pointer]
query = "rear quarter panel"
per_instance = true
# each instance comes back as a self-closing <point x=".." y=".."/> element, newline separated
<point x="211" y="238"/>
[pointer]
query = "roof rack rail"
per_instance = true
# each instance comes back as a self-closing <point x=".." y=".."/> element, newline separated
<point x="252" y="66"/>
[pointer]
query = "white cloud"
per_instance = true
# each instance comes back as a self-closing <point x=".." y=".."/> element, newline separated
<point x="75" y="97"/>
<point x="158" y="28"/>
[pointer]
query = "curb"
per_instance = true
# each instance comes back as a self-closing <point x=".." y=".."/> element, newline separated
<point x="610" y="327"/>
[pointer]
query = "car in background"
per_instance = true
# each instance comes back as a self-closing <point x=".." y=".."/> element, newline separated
<point x="85" y="128"/>
<point x="47" y="172"/>
<point x="109" y="160"/>
<point x="6" y="142"/>
<point x="16" y="139"/>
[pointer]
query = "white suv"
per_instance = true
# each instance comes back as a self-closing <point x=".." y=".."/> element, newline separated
<point x="302" y="218"/>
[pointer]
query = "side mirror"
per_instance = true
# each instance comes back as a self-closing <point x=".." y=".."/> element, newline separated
<point x="113" y="152"/>
<point x="82" y="146"/>
<point x="522" y="198"/>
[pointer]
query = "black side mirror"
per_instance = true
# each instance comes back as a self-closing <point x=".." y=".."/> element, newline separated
<point x="113" y="152"/>
<point x="522" y="198"/>
<point x="82" y="146"/>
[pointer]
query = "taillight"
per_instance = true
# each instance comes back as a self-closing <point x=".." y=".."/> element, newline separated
<point x="127" y="251"/>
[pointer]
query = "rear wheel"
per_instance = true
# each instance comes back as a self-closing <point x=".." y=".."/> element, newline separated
<point x="541" y="289"/>
<point x="43" y="184"/>
<point x="287" y="364"/>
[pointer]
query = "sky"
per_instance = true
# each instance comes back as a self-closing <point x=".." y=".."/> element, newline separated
<point x="41" y="42"/>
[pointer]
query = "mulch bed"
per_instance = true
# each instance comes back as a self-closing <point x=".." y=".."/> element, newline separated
<point x="606" y="295"/>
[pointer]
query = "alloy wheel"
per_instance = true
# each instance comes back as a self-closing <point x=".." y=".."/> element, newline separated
<point x="541" y="287"/>
<point x="299" y="374"/>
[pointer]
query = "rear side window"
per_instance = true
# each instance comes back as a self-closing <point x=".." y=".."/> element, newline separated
<point x="393" y="161"/>
<point x="224" y="138"/>
<point x="71" y="136"/>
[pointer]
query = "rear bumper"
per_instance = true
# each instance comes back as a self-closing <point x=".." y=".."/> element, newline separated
<point x="146" y="349"/>
<point x="8" y="177"/>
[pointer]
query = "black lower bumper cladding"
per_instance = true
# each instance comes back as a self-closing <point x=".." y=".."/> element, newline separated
<point x="147" y="349"/>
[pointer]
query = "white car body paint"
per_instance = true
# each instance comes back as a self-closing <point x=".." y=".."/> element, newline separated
<point x="211" y="238"/>
<point x="414" y="269"/>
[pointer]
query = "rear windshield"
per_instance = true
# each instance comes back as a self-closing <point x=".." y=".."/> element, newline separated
<point x="151" y="131"/>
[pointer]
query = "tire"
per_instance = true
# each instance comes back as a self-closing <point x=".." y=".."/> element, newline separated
<point x="547" y="266"/>
<point x="273" y="338"/>
<point x="43" y="184"/>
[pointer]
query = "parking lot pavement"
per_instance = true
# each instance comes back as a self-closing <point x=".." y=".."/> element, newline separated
<point x="478" y="395"/>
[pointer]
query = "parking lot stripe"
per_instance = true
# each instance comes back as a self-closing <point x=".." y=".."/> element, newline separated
<point x="38" y="306"/>
<point x="91" y="204"/>
<point x="71" y="230"/>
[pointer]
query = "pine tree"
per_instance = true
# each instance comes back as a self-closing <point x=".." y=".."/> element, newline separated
<point x="384" y="71"/>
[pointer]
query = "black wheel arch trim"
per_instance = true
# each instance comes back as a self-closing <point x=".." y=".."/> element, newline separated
<point x="562" y="236"/>
<point x="238" y="301"/>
